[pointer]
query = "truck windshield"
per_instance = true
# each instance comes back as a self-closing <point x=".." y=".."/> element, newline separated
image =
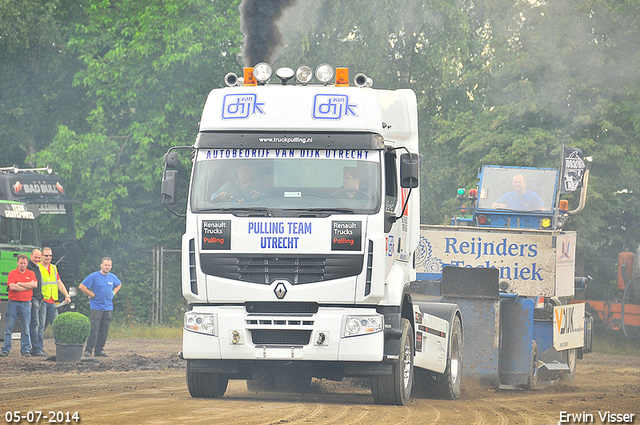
<point x="17" y="231"/>
<point x="286" y="179"/>
<point x="517" y="189"/>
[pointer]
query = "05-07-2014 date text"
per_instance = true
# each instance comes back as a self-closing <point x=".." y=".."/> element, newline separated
<point x="35" y="416"/>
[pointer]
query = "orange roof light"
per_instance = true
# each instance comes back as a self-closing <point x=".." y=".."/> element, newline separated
<point x="342" y="77"/>
<point x="249" y="79"/>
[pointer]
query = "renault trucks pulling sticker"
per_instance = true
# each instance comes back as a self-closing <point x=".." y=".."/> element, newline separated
<point x="216" y="234"/>
<point x="346" y="235"/>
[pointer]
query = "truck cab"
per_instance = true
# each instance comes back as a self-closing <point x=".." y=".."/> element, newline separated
<point x="42" y="189"/>
<point x="301" y="226"/>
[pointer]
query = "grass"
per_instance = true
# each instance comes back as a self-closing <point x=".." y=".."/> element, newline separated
<point x="614" y="342"/>
<point x="123" y="330"/>
<point x="137" y="331"/>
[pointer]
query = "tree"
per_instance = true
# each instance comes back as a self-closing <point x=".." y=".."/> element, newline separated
<point x="36" y="71"/>
<point x="146" y="69"/>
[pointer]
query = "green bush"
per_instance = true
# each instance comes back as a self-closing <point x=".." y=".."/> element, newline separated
<point x="71" y="328"/>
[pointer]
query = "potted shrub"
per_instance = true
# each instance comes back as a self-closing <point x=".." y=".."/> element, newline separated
<point x="71" y="331"/>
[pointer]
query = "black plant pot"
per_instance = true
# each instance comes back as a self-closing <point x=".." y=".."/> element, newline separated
<point x="68" y="352"/>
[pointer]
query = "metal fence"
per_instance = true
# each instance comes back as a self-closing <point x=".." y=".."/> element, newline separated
<point x="168" y="304"/>
<point x="604" y="274"/>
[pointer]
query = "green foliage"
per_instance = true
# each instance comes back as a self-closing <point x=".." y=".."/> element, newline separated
<point x="146" y="65"/>
<point x="71" y="328"/>
<point x="100" y="89"/>
<point x="36" y="71"/>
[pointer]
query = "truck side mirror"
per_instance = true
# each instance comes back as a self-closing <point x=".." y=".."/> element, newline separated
<point x="409" y="170"/>
<point x="171" y="160"/>
<point x="169" y="186"/>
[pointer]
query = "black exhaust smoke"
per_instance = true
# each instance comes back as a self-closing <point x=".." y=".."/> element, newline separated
<point x="261" y="34"/>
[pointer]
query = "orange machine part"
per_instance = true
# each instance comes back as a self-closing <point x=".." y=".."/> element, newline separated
<point x="625" y="258"/>
<point x="610" y="313"/>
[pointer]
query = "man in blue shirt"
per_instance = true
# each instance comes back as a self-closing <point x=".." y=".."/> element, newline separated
<point x="520" y="199"/>
<point x="100" y="287"/>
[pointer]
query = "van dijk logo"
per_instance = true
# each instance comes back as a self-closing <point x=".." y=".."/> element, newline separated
<point x="333" y="107"/>
<point x="240" y="106"/>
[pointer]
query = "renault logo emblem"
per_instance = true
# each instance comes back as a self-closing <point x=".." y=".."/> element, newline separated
<point x="280" y="290"/>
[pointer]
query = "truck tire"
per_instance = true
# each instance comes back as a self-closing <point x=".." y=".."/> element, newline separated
<point x="300" y="383"/>
<point x="395" y="389"/>
<point x="448" y="385"/>
<point x="262" y="382"/>
<point x="571" y="358"/>
<point x="533" y="374"/>
<point x="205" y="385"/>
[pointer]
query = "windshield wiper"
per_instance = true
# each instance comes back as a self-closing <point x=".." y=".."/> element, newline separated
<point x="266" y="212"/>
<point x="333" y="210"/>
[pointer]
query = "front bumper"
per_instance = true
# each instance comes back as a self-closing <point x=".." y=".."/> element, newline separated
<point x="261" y="337"/>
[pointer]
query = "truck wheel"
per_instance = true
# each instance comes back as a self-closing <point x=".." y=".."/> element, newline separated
<point x="300" y="383"/>
<point x="533" y="374"/>
<point x="262" y="382"/>
<point x="205" y="385"/>
<point x="448" y="385"/>
<point x="571" y="358"/>
<point x="396" y="388"/>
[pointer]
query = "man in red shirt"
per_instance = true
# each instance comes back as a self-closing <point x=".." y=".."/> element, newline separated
<point x="20" y="282"/>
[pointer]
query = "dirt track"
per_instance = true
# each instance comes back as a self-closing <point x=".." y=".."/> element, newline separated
<point x="142" y="382"/>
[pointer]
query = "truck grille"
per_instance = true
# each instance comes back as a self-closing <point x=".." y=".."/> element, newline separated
<point x="281" y="308"/>
<point x="295" y="269"/>
<point x="280" y="337"/>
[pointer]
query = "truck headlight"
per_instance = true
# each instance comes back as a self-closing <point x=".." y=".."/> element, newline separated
<point x="201" y="323"/>
<point x="362" y="325"/>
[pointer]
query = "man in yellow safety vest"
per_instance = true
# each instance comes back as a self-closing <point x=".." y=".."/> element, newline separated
<point x="51" y="285"/>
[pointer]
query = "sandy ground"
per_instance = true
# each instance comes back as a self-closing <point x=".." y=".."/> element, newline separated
<point x="143" y="382"/>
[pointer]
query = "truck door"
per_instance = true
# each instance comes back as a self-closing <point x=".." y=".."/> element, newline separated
<point x="395" y="230"/>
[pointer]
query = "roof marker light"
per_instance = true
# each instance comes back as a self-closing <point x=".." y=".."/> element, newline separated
<point x="285" y="74"/>
<point x="249" y="79"/>
<point x="324" y="73"/>
<point x="342" y="77"/>
<point x="304" y="74"/>
<point x="262" y="72"/>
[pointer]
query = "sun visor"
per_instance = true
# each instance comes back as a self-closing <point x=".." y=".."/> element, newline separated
<point x="17" y="210"/>
<point x="297" y="140"/>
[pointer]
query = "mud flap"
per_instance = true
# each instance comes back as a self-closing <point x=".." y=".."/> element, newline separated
<point x="516" y="342"/>
<point x="552" y="365"/>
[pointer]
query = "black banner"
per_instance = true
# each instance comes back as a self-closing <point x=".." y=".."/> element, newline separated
<point x="216" y="234"/>
<point x="572" y="170"/>
<point x="346" y="235"/>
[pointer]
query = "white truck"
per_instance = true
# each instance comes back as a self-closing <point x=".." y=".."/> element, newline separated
<point x="302" y="223"/>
